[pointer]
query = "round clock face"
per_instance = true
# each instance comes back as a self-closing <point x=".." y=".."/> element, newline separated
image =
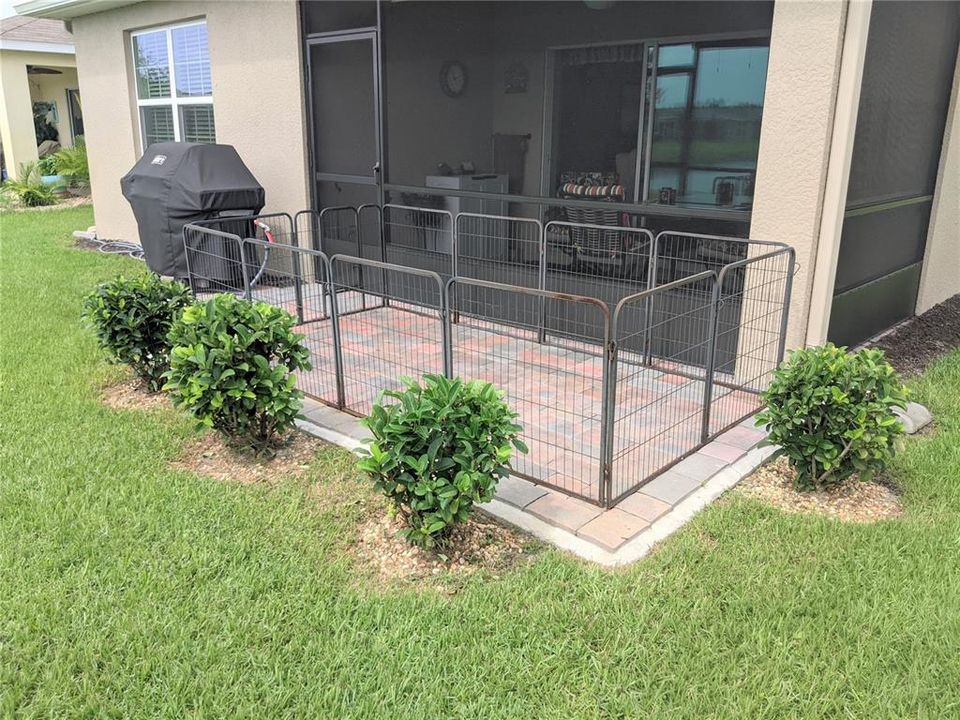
<point x="453" y="78"/>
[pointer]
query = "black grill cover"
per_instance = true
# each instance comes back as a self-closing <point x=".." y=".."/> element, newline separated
<point x="177" y="183"/>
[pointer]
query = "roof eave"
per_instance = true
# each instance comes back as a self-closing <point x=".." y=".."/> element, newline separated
<point x="37" y="47"/>
<point x="67" y="9"/>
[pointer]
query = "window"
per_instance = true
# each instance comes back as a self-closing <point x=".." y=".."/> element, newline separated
<point x="174" y="89"/>
<point x="701" y="120"/>
<point x="706" y="123"/>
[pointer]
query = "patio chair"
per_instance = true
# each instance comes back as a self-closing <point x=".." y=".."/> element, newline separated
<point x="620" y="251"/>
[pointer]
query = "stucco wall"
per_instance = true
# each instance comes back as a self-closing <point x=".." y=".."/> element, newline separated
<point x="805" y="49"/>
<point x="257" y="97"/>
<point x="941" y="263"/>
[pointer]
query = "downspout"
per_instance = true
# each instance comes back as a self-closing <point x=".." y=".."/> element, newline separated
<point x="846" y="107"/>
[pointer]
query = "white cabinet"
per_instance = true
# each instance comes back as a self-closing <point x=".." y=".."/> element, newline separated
<point x="475" y="183"/>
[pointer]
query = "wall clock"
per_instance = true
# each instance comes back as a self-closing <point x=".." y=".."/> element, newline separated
<point x="453" y="78"/>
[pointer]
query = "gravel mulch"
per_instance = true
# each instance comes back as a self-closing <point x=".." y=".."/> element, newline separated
<point x="850" y="501"/>
<point x="915" y="344"/>
<point x="480" y="545"/>
<point x="210" y="456"/>
<point x="133" y="395"/>
<point x="67" y="201"/>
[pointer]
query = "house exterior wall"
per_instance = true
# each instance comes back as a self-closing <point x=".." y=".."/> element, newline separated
<point x="16" y="103"/>
<point x="795" y="139"/>
<point x="940" y="278"/>
<point x="258" y="100"/>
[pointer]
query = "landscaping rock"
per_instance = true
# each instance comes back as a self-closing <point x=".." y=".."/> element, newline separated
<point x="914" y="418"/>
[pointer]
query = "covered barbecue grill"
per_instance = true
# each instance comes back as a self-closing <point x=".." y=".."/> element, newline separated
<point x="176" y="183"/>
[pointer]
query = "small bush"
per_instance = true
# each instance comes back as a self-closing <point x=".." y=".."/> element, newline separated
<point x="28" y="188"/>
<point x="232" y="365"/>
<point x="132" y="317"/>
<point x="72" y="163"/>
<point x="47" y="165"/>
<point x="831" y="413"/>
<point x="440" y="448"/>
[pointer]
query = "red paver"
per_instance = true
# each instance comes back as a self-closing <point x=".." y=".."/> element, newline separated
<point x="742" y="437"/>
<point x="643" y="506"/>
<point x="563" y="510"/>
<point x="556" y="388"/>
<point x="722" y="451"/>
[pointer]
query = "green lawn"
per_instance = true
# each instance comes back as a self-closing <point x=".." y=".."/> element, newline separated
<point x="130" y="590"/>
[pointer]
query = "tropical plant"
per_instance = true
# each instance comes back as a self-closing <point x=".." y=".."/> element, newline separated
<point x="132" y="317"/>
<point x="437" y="449"/>
<point x="28" y="188"/>
<point x="72" y="163"/>
<point x="232" y="366"/>
<point x="47" y="165"/>
<point x="830" y="413"/>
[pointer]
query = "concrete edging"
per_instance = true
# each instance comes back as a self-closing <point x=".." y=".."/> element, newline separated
<point x="631" y="551"/>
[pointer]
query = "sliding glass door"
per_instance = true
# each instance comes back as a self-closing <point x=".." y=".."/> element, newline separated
<point x="668" y="123"/>
<point x="705" y="125"/>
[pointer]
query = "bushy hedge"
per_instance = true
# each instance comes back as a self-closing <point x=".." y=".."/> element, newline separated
<point x="232" y="366"/>
<point x="831" y="413"/>
<point x="132" y="317"/>
<point x="437" y="449"/>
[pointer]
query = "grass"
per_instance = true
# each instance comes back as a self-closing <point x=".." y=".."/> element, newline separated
<point x="130" y="590"/>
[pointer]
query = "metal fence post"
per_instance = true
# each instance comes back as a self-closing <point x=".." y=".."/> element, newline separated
<point x="608" y="413"/>
<point x="785" y="311"/>
<point x="712" y="326"/>
<point x="651" y="284"/>
<point x="186" y="257"/>
<point x="335" y="327"/>
<point x="247" y="290"/>
<point x="297" y="269"/>
<point x="542" y="285"/>
<point x="447" y="332"/>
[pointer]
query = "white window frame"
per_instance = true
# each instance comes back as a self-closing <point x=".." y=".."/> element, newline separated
<point x="174" y="102"/>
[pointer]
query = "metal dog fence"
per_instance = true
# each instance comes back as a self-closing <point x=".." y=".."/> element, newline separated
<point x="622" y="355"/>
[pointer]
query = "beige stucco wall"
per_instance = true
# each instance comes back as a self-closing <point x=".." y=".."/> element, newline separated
<point x="941" y="263"/>
<point x="257" y="97"/>
<point x="16" y="106"/>
<point x="805" y="51"/>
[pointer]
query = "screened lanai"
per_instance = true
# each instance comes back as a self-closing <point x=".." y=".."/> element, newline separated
<point x="640" y="114"/>
<point x="565" y="188"/>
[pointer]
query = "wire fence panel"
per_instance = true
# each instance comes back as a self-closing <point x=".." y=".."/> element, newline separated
<point x="213" y="261"/>
<point x="308" y="300"/>
<point x="338" y="228"/>
<point x="657" y="411"/>
<point x="419" y="237"/>
<point x="557" y="391"/>
<point x="386" y="336"/>
<point x="678" y="255"/>
<point x="760" y="286"/>
<point x="499" y="249"/>
<point x="598" y="261"/>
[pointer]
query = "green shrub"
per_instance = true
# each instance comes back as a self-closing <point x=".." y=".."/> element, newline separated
<point x="232" y="365"/>
<point x="831" y="413"/>
<point x="71" y="162"/>
<point x="47" y="165"/>
<point x="440" y="448"/>
<point x="132" y="317"/>
<point x="28" y="188"/>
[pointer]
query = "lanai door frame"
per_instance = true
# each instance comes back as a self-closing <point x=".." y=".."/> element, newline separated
<point x="375" y="179"/>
